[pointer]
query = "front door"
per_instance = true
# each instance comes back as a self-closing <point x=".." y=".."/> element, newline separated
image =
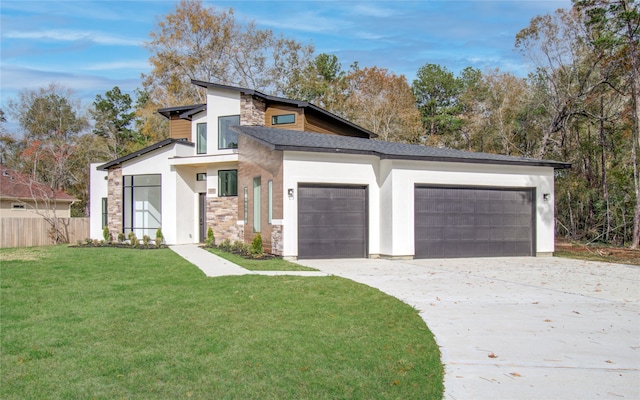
<point x="202" y="215"/>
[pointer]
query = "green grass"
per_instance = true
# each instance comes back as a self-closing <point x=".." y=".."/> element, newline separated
<point x="101" y="323"/>
<point x="271" y="264"/>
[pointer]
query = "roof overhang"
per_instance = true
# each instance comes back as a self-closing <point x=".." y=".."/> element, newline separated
<point x="141" y="152"/>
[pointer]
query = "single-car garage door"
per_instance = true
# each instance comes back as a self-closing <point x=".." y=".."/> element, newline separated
<point x="474" y="222"/>
<point x="332" y="221"/>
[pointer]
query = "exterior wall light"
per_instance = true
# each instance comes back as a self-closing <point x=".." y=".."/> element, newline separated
<point x="290" y="193"/>
<point x="546" y="196"/>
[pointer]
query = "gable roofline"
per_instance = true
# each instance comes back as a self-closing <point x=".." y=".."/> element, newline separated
<point x="185" y="112"/>
<point x="141" y="152"/>
<point x="283" y="140"/>
<point x="283" y="100"/>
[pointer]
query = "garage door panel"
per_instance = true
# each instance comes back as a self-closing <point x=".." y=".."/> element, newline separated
<point x="473" y="222"/>
<point x="332" y="221"/>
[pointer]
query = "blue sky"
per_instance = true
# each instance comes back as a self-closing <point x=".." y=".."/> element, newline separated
<point x="92" y="46"/>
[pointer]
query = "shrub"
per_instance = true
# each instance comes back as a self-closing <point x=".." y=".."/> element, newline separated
<point x="121" y="237"/>
<point x="211" y="239"/>
<point x="159" y="237"/>
<point x="146" y="239"/>
<point x="88" y="241"/>
<point x="106" y="234"/>
<point x="226" y="245"/>
<point x="256" y="245"/>
<point x="133" y="240"/>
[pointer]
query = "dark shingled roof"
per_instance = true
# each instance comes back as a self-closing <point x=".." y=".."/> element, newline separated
<point x="140" y="152"/>
<point x="281" y="139"/>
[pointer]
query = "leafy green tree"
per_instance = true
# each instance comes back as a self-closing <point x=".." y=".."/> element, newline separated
<point x="114" y="118"/>
<point x="436" y="91"/>
<point x="52" y="123"/>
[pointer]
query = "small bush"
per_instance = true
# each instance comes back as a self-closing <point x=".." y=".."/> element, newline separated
<point x="121" y="237"/>
<point x="106" y="234"/>
<point x="133" y="240"/>
<point x="256" y="245"/>
<point x="211" y="239"/>
<point x="88" y="241"/>
<point x="159" y="237"/>
<point x="146" y="239"/>
<point x="226" y="245"/>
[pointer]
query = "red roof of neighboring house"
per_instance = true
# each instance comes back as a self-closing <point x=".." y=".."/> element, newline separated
<point x="15" y="185"/>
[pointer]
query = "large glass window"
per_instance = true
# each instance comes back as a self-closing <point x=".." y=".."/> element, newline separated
<point x="201" y="139"/>
<point x="256" y="204"/>
<point x="142" y="204"/>
<point x="227" y="139"/>
<point x="228" y="182"/>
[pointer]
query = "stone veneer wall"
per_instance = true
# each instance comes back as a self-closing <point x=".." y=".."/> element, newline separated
<point x="276" y="240"/>
<point x="114" y="201"/>
<point x="222" y="213"/>
<point x="252" y="110"/>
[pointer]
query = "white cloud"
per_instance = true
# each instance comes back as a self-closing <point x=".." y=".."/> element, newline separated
<point x="65" y="35"/>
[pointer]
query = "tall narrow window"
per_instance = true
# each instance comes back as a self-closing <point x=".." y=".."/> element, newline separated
<point x="256" y="204"/>
<point x="104" y="212"/>
<point x="228" y="182"/>
<point x="228" y="139"/>
<point x="246" y="205"/>
<point x="201" y="138"/>
<point x="269" y="202"/>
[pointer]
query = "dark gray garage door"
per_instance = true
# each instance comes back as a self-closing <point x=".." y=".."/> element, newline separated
<point x="332" y="222"/>
<point x="471" y="222"/>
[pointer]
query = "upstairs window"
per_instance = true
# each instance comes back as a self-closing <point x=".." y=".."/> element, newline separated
<point x="227" y="139"/>
<point x="283" y="119"/>
<point x="201" y="139"/>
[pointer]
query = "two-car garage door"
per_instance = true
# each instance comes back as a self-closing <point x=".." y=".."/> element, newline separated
<point x="449" y="222"/>
<point x="474" y="222"/>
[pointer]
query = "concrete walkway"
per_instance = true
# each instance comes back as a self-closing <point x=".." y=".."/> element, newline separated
<point x="520" y="328"/>
<point x="214" y="266"/>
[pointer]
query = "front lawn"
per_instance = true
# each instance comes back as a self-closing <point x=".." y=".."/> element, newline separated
<point x="105" y="323"/>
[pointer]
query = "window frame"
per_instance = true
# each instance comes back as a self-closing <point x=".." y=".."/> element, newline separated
<point x="220" y="185"/>
<point x="257" y="204"/>
<point x="220" y="133"/>
<point x="129" y="210"/>
<point x="270" y="202"/>
<point x="105" y="212"/>
<point x="275" y="118"/>
<point x="201" y="141"/>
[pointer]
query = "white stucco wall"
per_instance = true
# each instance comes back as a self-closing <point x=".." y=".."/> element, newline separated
<point x="406" y="174"/>
<point x="301" y="168"/>
<point x="220" y="102"/>
<point x="391" y="185"/>
<point x="97" y="190"/>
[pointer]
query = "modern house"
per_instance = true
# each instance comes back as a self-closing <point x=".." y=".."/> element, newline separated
<point x="23" y="197"/>
<point x="317" y="186"/>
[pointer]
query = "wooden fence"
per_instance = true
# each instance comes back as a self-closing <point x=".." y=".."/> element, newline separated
<point x="26" y="232"/>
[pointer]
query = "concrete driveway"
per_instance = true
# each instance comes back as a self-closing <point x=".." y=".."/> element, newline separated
<point x="520" y="328"/>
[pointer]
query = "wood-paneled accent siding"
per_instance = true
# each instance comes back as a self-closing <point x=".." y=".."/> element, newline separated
<point x="314" y="123"/>
<point x="179" y="128"/>
<point x="282" y="110"/>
